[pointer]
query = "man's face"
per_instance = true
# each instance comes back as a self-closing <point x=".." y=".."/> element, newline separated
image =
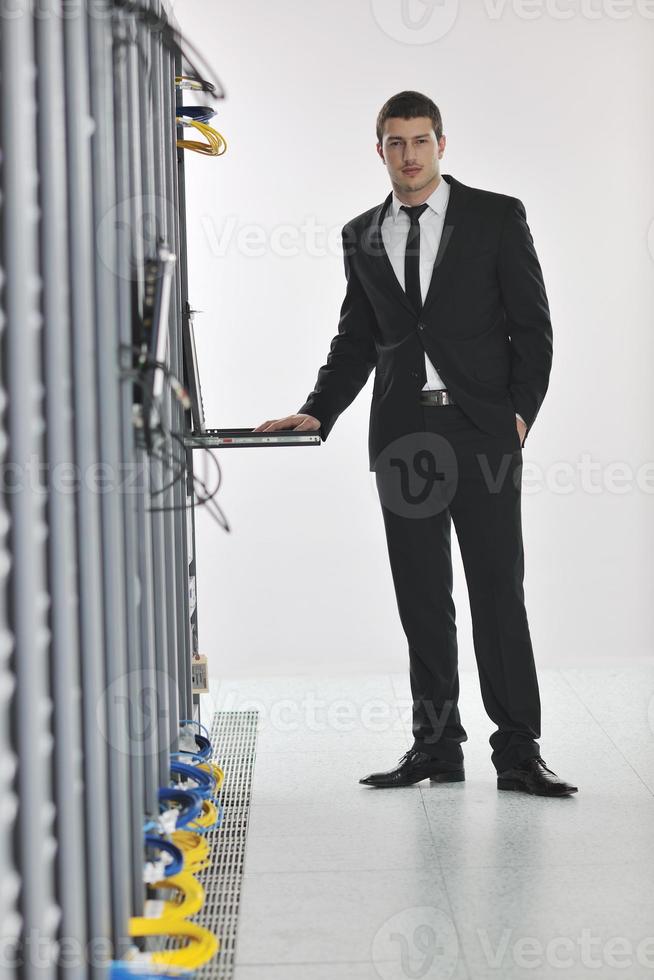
<point x="411" y="152"/>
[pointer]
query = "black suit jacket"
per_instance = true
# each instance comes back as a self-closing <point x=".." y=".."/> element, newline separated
<point x="485" y="323"/>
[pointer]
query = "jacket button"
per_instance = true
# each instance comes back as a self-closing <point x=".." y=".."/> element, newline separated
<point x="421" y="326"/>
<point x="414" y="374"/>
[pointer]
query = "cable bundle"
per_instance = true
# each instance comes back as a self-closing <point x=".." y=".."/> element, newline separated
<point x="205" y="784"/>
<point x="208" y="777"/>
<point x="194" y="83"/>
<point x="135" y="970"/>
<point x="201" y="946"/>
<point x="177" y="465"/>
<point x="215" y="146"/>
<point x="211" y="815"/>
<point x="194" y="847"/>
<point x="187" y="810"/>
<point x="190" y="808"/>
<point x="158" y="22"/>
<point x="154" y="870"/>
<point x="201" y="113"/>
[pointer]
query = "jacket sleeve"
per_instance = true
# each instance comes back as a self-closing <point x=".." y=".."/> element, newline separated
<point x="352" y="354"/>
<point x="527" y="314"/>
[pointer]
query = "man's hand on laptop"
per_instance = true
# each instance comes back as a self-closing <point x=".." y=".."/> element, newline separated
<point x="299" y="423"/>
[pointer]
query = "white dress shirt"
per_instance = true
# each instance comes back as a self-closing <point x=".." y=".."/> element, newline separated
<point x="395" y="229"/>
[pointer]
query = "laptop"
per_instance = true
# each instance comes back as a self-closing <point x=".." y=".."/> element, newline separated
<point x="239" y="438"/>
<point x="234" y="438"/>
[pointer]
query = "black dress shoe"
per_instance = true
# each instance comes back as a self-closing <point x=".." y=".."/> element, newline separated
<point x="533" y="776"/>
<point x="414" y="766"/>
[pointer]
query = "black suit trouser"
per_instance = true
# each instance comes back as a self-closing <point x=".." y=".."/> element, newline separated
<point x="455" y="472"/>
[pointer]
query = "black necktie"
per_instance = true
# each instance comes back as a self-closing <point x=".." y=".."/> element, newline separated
<point x="412" y="256"/>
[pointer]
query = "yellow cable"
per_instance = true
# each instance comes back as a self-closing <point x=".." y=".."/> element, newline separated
<point x="195" y="848"/>
<point x="191" y="901"/>
<point x="215" y="770"/>
<point x="208" y="816"/>
<point x="215" y="146"/>
<point x="202" y="944"/>
<point x="185" y="81"/>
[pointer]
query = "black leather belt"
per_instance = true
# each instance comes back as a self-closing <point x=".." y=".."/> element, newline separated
<point x="439" y="396"/>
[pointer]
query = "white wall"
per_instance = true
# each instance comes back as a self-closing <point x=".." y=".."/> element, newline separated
<point x="557" y="112"/>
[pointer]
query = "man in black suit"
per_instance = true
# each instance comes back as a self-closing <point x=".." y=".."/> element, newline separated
<point x="445" y="299"/>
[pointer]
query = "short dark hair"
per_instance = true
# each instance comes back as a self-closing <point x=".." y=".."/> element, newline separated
<point x="409" y="105"/>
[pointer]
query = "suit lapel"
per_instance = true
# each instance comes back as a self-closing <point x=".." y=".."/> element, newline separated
<point x="451" y="240"/>
<point x="373" y="247"/>
<point x="449" y="247"/>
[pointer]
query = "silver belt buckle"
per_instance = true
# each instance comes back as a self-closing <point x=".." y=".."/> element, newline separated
<point x="440" y="396"/>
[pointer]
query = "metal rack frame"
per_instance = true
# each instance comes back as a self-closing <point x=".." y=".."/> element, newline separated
<point x="97" y="625"/>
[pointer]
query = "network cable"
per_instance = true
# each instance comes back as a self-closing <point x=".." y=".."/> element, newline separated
<point x="191" y="898"/>
<point x="219" y="774"/>
<point x="215" y="509"/>
<point x="201" y="113"/>
<point x="215" y="145"/>
<point x="191" y="82"/>
<point x="135" y="970"/>
<point x="190" y="804"/>
<point x="200" y="501"/>
<point x="201" y="947"/>
<point x="195" y="848"/>
<point x="216" y="513"/>
<point x="211" y="816"/>
<point x="172" y="38"/>
<point x="193" y="721"/>
<point x="205" y="781"/>
<point x="203" y="751"/>
<point x="177" y="863"/>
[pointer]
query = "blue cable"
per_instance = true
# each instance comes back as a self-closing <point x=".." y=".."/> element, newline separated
<point x="124" y="970"/>
<point x="200" y="113"/>
<point x="203" y="744"/>
<point x="206" y="783"/>
<point x="175" y="852"/>
<point x="191" y="803"/>
<point x="193" y="756"/>
<point x="220" y="812"/>
<point x="192" y="721"/>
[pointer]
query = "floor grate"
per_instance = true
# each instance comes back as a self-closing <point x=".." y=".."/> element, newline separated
<point x="233" y="737"/>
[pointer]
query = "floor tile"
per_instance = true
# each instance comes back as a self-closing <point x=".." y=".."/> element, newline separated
<point x="343" y="916"/>
<point x="594" y="921"/>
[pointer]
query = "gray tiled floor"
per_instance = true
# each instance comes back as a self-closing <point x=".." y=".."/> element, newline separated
<point x="446" y="881"/>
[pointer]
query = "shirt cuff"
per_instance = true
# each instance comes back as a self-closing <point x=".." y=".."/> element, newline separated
<point x="518" y="416"/>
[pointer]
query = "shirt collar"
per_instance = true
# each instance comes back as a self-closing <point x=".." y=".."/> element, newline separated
<point x="437" y="201"/>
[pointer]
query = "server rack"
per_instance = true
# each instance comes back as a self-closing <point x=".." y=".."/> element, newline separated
<point x="27" y="598"/>
<point x="64" y="673"/>
<point x="98" y="620"/>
